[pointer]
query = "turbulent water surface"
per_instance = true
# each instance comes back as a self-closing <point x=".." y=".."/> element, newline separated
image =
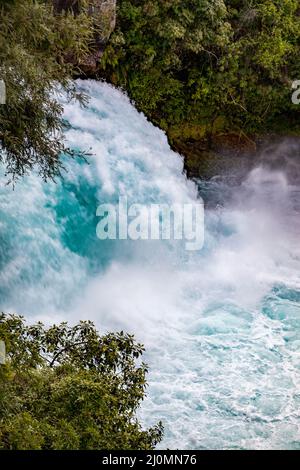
<point x="221" y="326"/>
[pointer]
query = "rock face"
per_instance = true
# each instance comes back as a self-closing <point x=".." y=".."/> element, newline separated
<point x="103" y="13"/>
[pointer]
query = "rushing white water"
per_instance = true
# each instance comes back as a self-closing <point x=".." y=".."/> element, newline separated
<point x="221" y="326"/>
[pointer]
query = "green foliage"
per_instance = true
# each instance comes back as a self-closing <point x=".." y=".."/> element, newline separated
<point x="37" y="50"/>
<point x="192" y="62"/>
<point x="67" y="387"/>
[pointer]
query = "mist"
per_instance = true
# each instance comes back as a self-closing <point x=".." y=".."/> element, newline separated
<point x="221" y="325"/>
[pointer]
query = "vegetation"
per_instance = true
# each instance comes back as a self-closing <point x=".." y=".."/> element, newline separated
<point x="38" y="50"/>
<point x="69" y="388"/>
<point x="200" y="68"/>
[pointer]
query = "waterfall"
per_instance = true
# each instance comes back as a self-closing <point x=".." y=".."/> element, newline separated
<point x="221" y="325"/>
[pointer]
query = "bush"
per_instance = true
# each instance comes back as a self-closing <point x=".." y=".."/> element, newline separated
<point x="68" y="387"/>
<point x="200" y="66"/>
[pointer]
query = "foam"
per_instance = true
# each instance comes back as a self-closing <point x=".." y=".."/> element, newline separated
<point x="221" y="327"/>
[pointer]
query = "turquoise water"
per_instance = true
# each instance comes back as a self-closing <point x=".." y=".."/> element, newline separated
<point x="221" y="326"/>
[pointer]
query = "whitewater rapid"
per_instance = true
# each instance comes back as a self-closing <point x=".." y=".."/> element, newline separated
<point x="221" y="326"/>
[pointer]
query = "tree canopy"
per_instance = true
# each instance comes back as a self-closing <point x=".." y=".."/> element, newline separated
<point x="199" y="67"/>
<point x="38" y="52"/>
<point x="66" y="387"/>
